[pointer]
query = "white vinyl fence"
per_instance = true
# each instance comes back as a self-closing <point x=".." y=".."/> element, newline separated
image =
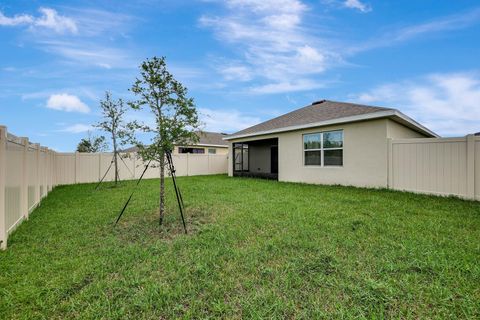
<point x="91" y="167"/>
<point x="443" y="166"/>
<point x="28" y="172"/>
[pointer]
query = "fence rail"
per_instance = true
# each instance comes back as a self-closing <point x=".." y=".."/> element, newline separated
<point x="442" y="166"/>
<point x="28" y="172"/>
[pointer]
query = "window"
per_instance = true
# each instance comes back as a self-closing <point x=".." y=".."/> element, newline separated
<point x="212" y="151"/>
<point x="190" y="150"/>
<point x="323" y="149"/>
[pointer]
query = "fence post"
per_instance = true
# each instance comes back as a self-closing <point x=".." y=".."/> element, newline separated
<point x="99" y="166"/>
<point x="24" y="187"/>
<point x="470" y="166"/>
<point x="54" y="169"/>
<point x="51" y="169"/>
<point x="134" y="165"/>
<point x="390" y="164"/>
<point x="3" y="171"/>
<point x="45" y="173"/>
<point x="76" y="167"/>
<point x="37" y="180"/>
<point x="49" y="166"/>
<point x="208" y="164"/>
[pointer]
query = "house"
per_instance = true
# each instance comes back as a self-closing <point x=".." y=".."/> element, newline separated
<point x="208" y="143"/>
<point x="326" y="142"/>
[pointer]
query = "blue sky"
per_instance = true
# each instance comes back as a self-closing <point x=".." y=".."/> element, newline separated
<point x="243" y="61"/>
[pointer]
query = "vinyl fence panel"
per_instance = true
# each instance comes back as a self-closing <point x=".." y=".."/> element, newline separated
<point x="32" y="177"/>
<point x="87" y="167"/>
<point x="26" y="175"/>
<point x="13" y="183"/>
<point x="181" y="161"/>
<point x="217" y="164"/>
<point x="197" y="164"/>
<point x="443" y="166"/>
<point x="65" y="168"/>
<point x="477" y="168"/>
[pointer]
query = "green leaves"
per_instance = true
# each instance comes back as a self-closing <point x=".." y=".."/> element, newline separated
<point x="174" y="113"/>
<point x="113" y="120"/>
<point x="92" y="144"/>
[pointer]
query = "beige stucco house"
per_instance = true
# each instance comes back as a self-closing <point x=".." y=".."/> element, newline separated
<point x="208" y="143"/>
<point x="326" y="142"/>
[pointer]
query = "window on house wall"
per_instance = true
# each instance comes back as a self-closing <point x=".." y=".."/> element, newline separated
<point x="212" y="151"/>
<point x="190" y="150"/>
<point x="323" y="149"/>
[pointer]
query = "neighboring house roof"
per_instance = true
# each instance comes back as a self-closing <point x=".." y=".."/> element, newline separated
<point x="212" y="139"/>
<point x="477" y="134"/>
<point x="206" y="138"/>
<point x="326" y="112"/>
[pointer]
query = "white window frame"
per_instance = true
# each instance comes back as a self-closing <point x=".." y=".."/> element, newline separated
<point x="214" y="150"/>
<point x="322" y="150"/>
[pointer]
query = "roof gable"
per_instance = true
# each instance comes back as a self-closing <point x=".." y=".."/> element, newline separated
<point x="316" y="112"/>
<point x="326" y="112"/>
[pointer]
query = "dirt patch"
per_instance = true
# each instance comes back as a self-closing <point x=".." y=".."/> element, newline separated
<point x="145" y="228"/>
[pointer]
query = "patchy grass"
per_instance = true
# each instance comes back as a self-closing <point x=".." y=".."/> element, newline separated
<point x="257" y="249"/>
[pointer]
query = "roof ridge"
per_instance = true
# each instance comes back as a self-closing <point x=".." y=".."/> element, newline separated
<point x="360" y="104"/>
<point x="317" y="111"/>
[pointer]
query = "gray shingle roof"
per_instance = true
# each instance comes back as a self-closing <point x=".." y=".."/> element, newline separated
<point x="316" y="112"/>
<point x="205" y="138"/>
<point x="212" y="138"/>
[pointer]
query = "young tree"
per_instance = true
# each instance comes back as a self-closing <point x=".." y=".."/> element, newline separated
<point x="174" y="114"/>
<point x="92" y="144"/>
<point x="113" y="123"/>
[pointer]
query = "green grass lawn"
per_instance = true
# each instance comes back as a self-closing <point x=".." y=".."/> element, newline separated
<point x="256" y="249"/>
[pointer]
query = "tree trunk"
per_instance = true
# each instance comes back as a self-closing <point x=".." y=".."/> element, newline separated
<point x="162" y="187"/>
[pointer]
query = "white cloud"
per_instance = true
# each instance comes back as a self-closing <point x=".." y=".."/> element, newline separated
<point x="226" y="120"/>
<point x="439" y="25"/>
<point x="67" y="102"/>
<point x="287" y="86"/>
<point x="447" y="103"/>
<point x="273" y="40"/>
<point x="236" y="73"/>
<point x="292" y="6"/>
<point x="453" y="22"/>
<point x="49" y="19"/>
<point x="15" y="20"/>
<point x="357" y="4"/>
<point x="89" y="54"/>
<point x="77" y="128"/>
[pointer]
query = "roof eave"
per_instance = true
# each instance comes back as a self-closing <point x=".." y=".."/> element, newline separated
<point x="409" y="122"/>
<point x="369" y="116"/>
<point x="207" y="145"/>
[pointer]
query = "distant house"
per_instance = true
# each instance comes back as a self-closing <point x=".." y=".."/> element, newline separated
<point x="209" y="143"/>
<point x="326" y="142"/>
